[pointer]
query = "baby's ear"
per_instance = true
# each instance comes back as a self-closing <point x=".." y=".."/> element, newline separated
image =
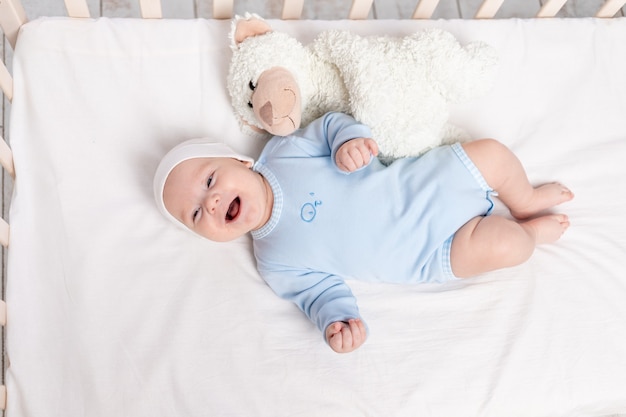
<point x="245" y="27"/>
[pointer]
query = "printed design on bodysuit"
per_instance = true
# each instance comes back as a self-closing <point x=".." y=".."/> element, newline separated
<point x="308" y="211"/>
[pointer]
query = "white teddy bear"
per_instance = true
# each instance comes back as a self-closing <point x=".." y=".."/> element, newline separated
<point x="400" y="86"/>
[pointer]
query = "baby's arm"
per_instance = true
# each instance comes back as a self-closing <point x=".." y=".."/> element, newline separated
<point x="355" y="154"/>
<point x="345" y="337"/>
<point x="325" y="299"/>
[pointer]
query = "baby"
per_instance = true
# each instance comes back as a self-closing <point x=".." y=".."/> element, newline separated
<point x="321" y="209"/>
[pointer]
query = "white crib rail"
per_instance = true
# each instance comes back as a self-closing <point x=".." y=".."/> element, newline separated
<point x="292" y="9"/>
<point x="77" y="8"/>
<point x="12" y="17"/>
<point x="610" y="8"/>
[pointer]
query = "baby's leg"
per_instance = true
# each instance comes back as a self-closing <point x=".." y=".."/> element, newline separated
<point x="487" y="243"/>
<point x="505" y="174"/>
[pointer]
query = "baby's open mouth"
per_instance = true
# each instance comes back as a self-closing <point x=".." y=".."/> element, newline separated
<point x="233" y="209"/>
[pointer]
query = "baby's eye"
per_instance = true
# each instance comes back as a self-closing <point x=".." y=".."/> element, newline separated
<point x="208" y="183"/>
<point x="195" y="215"/>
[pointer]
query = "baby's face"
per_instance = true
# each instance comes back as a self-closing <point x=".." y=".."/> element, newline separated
<point x="218" y="198"/>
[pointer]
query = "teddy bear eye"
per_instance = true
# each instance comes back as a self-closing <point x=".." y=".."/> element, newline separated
<point x="252" y="86"/>
<point x="250" y="104"/>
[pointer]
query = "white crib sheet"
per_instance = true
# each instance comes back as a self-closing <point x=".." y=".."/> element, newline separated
<point x="113" y="311"/>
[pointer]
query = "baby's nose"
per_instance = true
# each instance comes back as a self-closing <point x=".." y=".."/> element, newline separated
<point x="212" y="201"/>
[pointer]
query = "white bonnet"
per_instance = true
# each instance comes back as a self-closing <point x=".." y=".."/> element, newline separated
<point x="193" y="148"/>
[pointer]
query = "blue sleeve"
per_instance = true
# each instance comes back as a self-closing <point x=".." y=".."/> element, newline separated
<point x="324" y="136"/>
<point x="324" y="298"/>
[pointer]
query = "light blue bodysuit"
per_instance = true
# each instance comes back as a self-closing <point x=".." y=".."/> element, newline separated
<point x="381" y="223"/>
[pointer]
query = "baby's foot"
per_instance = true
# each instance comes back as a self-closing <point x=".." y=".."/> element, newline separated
<point x="544" y="197"/>
<point x="548" y="228"/>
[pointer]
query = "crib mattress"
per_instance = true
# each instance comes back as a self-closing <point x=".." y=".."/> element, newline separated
<point x="113" y="311"/>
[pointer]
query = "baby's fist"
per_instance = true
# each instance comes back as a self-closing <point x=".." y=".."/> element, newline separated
<point x="355" y="154"/>
<point x="345" y="337"/>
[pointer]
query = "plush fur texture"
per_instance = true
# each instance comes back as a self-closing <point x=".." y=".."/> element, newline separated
<point x="400" y="87"/>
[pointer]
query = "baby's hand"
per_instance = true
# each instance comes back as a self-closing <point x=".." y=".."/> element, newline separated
<point x="346" y="337"/>
<point x="355" y="154"/>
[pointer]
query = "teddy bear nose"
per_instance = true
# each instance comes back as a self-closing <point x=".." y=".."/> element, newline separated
<point x="278" y="107"/>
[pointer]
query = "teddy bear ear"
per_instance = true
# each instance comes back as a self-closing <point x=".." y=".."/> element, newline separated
<point x="246" y="27"/>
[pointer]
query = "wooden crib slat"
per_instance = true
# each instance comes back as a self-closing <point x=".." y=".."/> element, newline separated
<point x="6" y="82"/>
<point x="3" y="397"/>
<point x="6" y="157"/>
<point x="425" y="9"/>
<point x="610" y="8"/>
<point x="12" y="16"/>
<point x="550" y="8"/>
<point x="223" y="9"/>
<point x="77" y="8"/>
<point x="4" y="233"/>
<point x="360" y="9"/>
<point x="292" y="9"/>
<point x="488" y="9"/>
<point x="151" y="9"/>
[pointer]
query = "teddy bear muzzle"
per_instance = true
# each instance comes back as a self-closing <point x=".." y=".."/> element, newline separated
<point x="276" y="102"/>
